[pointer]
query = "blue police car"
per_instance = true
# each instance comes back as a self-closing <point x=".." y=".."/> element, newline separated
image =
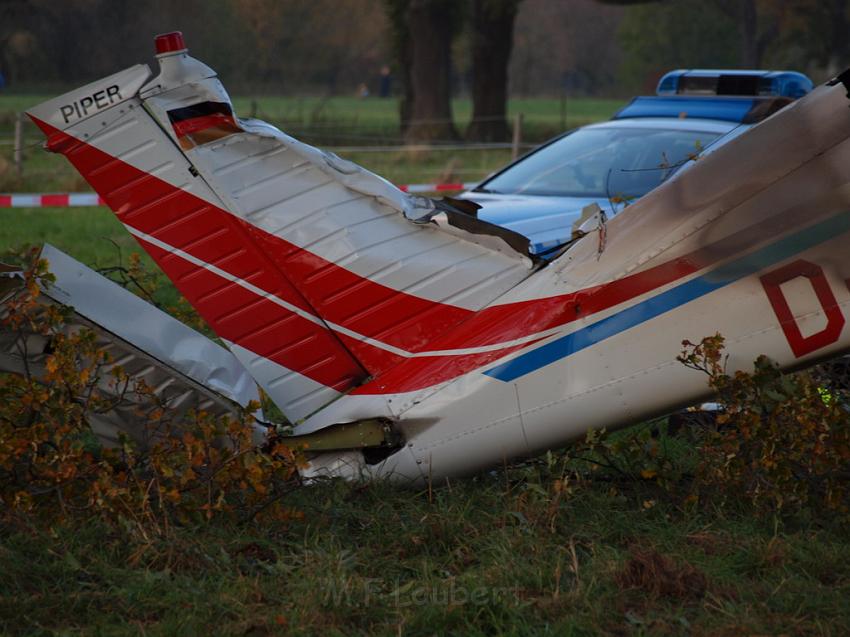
<point x="615" y="162"/>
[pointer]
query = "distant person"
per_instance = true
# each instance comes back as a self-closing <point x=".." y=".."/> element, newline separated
<point x="362" y="90"/>
<point x="385" y="86"/>
<point x="2" y="81"/>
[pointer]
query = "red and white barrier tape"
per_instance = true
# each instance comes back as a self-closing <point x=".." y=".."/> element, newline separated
<point x="52" y="200"/>
<point x="435" y="187"/>
<point x="79" y="199"/>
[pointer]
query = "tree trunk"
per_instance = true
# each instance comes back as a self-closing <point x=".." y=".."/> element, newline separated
<point x="492" y="40"/>
<point x="839" y="47"/>
<point x="431" y="25"/>
<point x="15" y="16"/>
<point x="750" y="53"/>
<point x="396" y="11"/>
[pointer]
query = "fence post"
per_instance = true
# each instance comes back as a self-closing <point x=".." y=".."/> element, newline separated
<point x="563" y="111"/>
<point x="19" y="144"/>
<point x="517" y="135"/>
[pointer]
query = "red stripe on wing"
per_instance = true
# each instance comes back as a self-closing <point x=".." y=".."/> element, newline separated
<point x="185" y="221"/>
<point x="258" y="324"/>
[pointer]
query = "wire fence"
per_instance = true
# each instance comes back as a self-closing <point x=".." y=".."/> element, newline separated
<point x="337" y="131"/>
<point x="380" y="147"/>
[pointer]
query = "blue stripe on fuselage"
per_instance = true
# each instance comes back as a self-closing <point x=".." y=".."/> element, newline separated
<point x="671" y="299"/>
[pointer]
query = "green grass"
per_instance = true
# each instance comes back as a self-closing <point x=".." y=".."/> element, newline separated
<point x="371" y="111"/>
<point x="334" y="122"/>
<point x="351" y="121"/>
<point x="494" y="555"/>
<point x="92" y="235"/>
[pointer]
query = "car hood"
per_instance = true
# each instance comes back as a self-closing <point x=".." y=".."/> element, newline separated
<point x="546" y="221"/>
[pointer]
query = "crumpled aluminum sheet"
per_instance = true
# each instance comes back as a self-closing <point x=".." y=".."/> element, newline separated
<point x="186" y="369"/>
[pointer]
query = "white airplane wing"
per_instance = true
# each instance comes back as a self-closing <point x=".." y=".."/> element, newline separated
<point x="317" y="273"/>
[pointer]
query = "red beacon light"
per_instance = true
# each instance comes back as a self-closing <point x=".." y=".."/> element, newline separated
<point x="170" y="43"/>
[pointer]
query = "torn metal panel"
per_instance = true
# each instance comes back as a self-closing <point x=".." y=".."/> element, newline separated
<point x="459" y="217"/>
<point x="147" y="328"/>
<point x="10" y="280"/>
<point x="185" y="369"/>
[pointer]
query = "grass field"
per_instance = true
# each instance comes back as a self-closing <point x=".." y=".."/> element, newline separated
<point x="517" y="551"/>
<point x="375" y="113"/>
<point x="339" y="122"/>
<point x="498" y="555"/>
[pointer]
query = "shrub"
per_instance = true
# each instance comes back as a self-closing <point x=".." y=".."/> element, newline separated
<point x="782" y="442"/>
<point x="51" y="462"/>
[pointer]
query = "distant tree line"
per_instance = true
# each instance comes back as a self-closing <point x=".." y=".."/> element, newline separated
<point x="437" y="49"/>
<point x="804" y="35"/>
<point x="275" y="46"/>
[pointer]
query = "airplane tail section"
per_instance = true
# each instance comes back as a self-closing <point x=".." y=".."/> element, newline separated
<point x="317" y="274"/>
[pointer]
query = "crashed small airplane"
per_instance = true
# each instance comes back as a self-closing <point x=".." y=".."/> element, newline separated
<point x="435" y="340"/>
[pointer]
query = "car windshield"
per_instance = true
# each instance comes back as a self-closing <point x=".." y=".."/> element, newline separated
<point x="602" y="162"/>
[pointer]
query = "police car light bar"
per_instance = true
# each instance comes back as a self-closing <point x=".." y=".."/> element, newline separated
<point x="729" y="109"/>
<point x="789" y="84"/>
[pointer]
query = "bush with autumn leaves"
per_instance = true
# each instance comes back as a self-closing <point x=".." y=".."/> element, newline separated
<point x="782" y="441"/>
<point x="193" y="468"/>
<point x="779" y="443"/>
